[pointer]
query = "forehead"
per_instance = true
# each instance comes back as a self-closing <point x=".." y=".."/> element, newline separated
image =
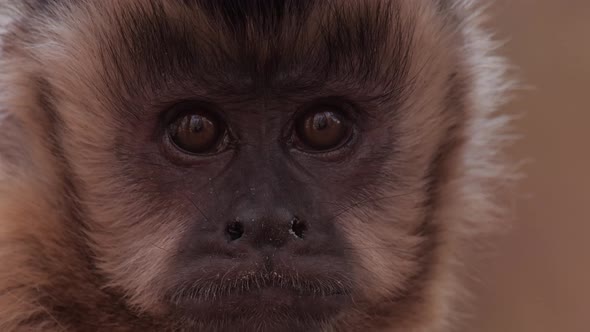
<point x="251" y="42"/>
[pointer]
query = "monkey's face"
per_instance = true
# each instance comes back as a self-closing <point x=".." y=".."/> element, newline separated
<point x="252" y="163"/>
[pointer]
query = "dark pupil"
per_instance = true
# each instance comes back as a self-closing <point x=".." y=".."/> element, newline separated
<point x="195" y="133"/>
<point x="323" y="130"/>
<point x="320" y="121"/>
<point x="196" y="123"/>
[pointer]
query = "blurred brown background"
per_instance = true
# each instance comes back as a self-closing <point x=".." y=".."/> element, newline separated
<point x="540" y="280"/>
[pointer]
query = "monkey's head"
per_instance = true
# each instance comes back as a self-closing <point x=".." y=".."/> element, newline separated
<point x="288" y="165"/>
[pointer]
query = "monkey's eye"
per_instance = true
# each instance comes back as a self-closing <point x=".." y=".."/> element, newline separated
<point x="323" y="129"/>
<point x="197" y="132"/>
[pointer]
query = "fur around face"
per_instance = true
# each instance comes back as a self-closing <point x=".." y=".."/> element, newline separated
<point x="72" y="255"/>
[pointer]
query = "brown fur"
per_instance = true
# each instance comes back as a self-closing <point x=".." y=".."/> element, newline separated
<point x="71" y="261"/>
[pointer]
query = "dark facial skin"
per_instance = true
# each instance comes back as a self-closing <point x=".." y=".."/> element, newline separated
<point x="264" y="240"/>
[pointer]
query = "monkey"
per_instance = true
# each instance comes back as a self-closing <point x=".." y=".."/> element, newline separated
<point x="244" y="165"/>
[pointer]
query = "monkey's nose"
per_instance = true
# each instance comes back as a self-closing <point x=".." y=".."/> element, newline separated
<point x="273" y="231"/>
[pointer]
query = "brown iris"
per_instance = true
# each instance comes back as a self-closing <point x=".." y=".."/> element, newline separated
<point x="196" y="132"/>
<point x="324" y="129"/>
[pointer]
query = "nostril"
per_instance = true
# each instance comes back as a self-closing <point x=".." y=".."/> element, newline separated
<point x="235" y="230"/>
<point x="298" y="228"/>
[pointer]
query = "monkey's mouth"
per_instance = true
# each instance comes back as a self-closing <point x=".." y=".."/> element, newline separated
<point x="245" y="294"/>
<point x="252" y="284"/>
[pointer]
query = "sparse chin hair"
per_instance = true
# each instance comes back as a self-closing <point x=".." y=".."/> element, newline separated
<point x="250" y="165"/>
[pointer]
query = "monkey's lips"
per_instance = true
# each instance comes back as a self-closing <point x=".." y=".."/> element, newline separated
<point x="252" y="294"/>
<point x="265" y="302"/>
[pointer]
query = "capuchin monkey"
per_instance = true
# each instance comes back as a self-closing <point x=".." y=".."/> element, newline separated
<point x="243" y="165"/>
